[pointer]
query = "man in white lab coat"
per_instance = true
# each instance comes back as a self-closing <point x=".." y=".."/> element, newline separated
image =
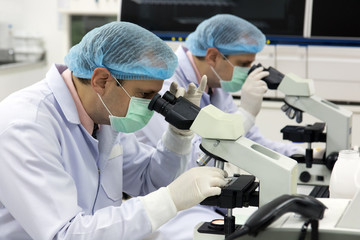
<point x="63" y="169"/>
<point x="222" y="48"/>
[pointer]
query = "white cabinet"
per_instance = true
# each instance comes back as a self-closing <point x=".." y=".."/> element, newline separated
<point x="335" y="71"/>
<point x="291" y="58"/>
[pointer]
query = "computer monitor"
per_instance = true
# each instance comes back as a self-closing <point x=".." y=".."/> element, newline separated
<point x="177" y="18"/>
<point x="335" y="19"/>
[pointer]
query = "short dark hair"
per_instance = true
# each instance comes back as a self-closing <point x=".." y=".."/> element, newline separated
<point x="203" y="58"/>
<point x="84" y="80"/>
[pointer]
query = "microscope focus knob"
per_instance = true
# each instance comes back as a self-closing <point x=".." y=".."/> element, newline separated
<point x="305" y="176"/>
<point x="331" y="159"/>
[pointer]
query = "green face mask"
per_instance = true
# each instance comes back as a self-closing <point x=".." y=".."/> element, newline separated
<point x="137" y="116"/>
<point x="238" y="78"/>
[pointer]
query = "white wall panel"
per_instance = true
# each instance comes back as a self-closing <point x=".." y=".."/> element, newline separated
<point x="335" y="71"/>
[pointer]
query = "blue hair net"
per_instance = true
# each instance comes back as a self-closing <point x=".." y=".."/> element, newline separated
<point x="228" y="33"/>
<point x="127" y="50"/>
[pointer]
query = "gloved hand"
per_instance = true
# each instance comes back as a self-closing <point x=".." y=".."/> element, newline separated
<point x="195" y="185"/>
<point x="253" y="90"/>
<point x="193" y="94"/>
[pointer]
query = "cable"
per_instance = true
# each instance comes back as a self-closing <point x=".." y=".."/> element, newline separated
<point x="241" y="232"/>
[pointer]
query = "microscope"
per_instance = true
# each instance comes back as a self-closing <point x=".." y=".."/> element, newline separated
<point x="223" y="141"/>
<point x="300" y="97"/>
<point x="277" y="174"/>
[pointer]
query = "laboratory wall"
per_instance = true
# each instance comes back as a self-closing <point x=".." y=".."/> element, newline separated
<point x="50" y="21"/>
<point x="38" y="18"/>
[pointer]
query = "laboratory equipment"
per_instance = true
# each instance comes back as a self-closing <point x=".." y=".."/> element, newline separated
<point x="300" y="97"/>
<point x="340" y="221"/>
<point x="306" y="206"/>
<point x="7" y="56"/>
<point x="277" y="174"/>
<point x="284" y="217"/>
<point x="345" y="176"/>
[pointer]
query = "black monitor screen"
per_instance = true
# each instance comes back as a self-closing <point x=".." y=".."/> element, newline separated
<point x="273" y="17"/>
<point x="334" y="18"/>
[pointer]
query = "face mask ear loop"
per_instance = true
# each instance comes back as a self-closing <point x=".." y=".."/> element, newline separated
<point x="227" y="59"/>
<point x="104" y="104"/>
<point x="122" y="87"/>
<point x="215" y="73"/>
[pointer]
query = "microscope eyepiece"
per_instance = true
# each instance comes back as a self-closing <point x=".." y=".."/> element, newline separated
<point x="168" y="96"/>
<point x="159" y="105"/>
<point x="179" y="112"/>
<point x="274" y="79"/>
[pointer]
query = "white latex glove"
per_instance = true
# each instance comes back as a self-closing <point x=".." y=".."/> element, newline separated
<point x="253" y="90"/>
<point x="195" y="185"/>
<point x="192" y="94"/>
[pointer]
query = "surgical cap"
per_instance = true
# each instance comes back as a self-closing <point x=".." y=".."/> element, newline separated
<point x="228" y="33"/>
<point x="127" y="50"/>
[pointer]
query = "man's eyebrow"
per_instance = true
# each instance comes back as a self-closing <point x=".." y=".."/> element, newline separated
<point x="146" y="90"/>
<point x="243" y="62"/>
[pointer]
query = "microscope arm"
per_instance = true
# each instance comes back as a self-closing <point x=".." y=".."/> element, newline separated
<point x="277" y="173"/>
<point x="299" y="93"/>
<point x="338" y="120"/>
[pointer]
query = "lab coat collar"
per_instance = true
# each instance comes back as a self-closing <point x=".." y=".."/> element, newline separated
<point x="62" y="93"/>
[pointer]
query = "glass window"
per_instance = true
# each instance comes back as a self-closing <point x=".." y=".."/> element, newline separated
<point x="80" y="25"/>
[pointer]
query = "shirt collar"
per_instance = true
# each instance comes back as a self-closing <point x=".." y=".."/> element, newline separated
<point x="85" y="119"/>
<point x="191" y="59"/>
<point x="192" y="62"/>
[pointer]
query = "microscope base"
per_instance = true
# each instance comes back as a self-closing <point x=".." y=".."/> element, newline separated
<point x="285" y="234"/>
<point x="288" y="226"/>
<point x="318" y="174"/>
<point x="207" y="228"/>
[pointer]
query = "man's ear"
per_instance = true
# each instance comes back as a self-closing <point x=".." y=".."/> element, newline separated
<point x="100" y="78"/>
<point x="212" y="55"/>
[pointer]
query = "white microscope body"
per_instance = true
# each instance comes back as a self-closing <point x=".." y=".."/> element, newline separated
<point x="277" y="174"/>
<point x="223" y="140"/>
<point x="300" y="93"/>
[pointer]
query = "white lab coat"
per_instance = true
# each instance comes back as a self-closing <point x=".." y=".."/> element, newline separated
<point x="184" y="75"/>
<point x="57" y="182"/>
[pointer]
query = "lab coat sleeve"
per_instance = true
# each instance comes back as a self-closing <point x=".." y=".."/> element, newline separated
<point x="146" y="169"/>
<point x="42" y="197"/>
<point x="34" y="188"/>
<point x="248" y="119"/>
